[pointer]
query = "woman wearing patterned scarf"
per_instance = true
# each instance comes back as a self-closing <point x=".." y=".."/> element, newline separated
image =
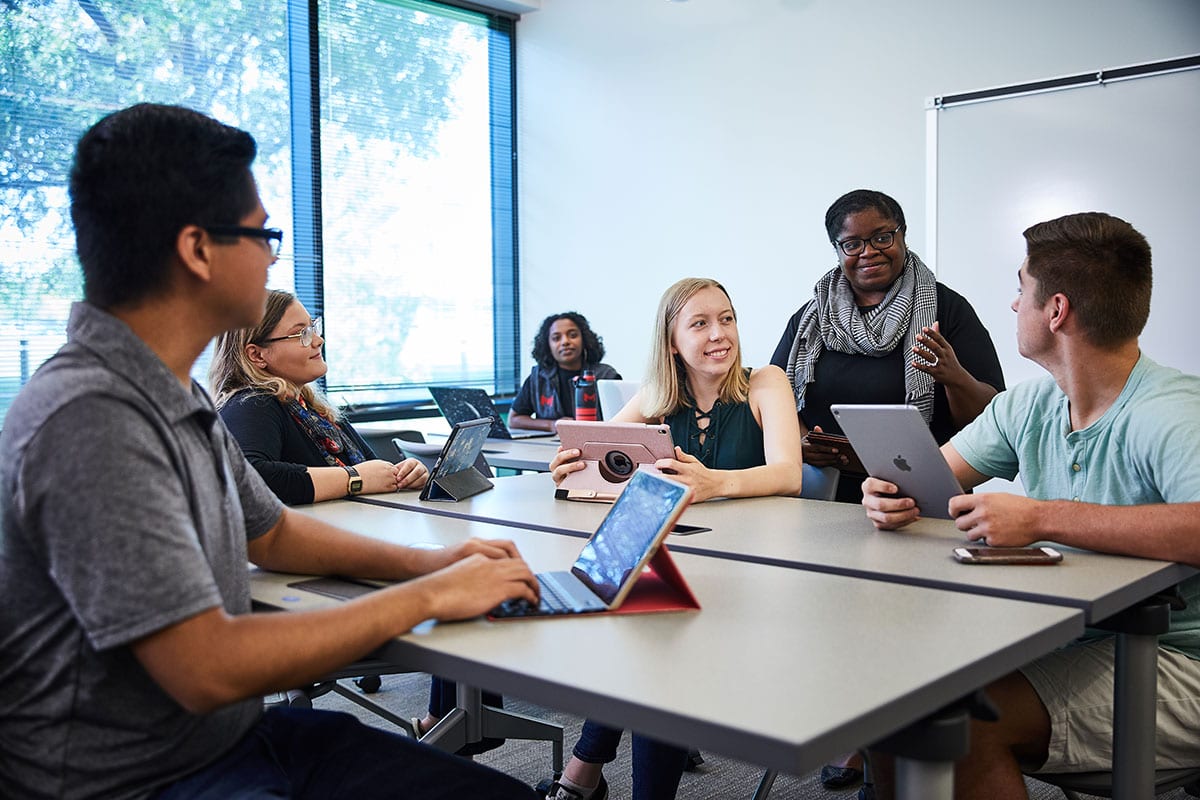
<point x="262" y="378"/>
<point x="881" y="329"/>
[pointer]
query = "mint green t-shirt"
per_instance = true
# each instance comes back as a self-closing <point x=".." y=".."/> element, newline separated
<point x="1144" y="450"/>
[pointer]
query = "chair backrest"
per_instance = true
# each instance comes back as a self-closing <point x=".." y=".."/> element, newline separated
<point x="614" y="395"/>
<point x="425" y="456"/>
<point x="383" y="443"/>
<point x="820" y="483"/>
<point x="428" y="454"/>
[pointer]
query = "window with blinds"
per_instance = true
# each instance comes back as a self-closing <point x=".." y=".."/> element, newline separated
<point x="416" y="164"/>
<point x="385" y="152"/>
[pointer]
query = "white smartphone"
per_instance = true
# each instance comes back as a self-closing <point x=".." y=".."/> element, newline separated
<point x="1007" y="555"/>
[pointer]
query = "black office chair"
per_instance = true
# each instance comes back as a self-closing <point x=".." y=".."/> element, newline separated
<point x="469" y="722"/>
<point x="366" y="675"/>
<point x="384" y="446"/>
<point x="1099" y="784"/>
<point x="401" y="444"/>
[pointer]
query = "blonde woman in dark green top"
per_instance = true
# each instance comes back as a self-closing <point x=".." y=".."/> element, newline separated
<point x="736" y="435"/>
<point x="731" y="426"/>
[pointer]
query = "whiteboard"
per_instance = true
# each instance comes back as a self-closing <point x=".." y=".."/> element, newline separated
<point x="1130" y="148"/>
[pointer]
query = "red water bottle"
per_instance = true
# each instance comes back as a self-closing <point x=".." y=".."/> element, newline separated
<point x="585" y="396"/>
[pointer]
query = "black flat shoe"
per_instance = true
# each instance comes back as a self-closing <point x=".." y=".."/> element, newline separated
<point x="833" y="777"/>
<point x="559" y="792"/>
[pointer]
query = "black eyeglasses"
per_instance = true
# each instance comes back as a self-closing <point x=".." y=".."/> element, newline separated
<point x="880" y="241"/>
<point x="305" y="336"/>
<point x="272" y="236"/>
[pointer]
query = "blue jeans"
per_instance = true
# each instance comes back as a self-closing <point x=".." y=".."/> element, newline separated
<point x="307" y="753"/>
<point x="657" y="766"/>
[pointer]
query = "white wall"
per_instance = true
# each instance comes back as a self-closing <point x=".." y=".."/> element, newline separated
<point x="659" y="140"/>
<point x="1080" y="149"/>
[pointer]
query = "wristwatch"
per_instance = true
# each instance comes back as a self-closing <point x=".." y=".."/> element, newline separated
<point x="355" y="484"/>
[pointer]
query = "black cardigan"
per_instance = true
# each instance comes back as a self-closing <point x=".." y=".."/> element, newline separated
<point x="276" y="446"/>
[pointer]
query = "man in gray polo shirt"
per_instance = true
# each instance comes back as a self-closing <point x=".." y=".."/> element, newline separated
<point x="130" y="664"/>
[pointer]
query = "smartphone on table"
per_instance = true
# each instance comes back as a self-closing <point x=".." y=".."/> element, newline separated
<point x="1007" y="555"/>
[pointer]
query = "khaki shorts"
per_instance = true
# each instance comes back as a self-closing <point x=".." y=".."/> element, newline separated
<point x="1075" y="685"/>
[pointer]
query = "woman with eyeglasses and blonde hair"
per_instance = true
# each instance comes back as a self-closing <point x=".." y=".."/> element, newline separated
<point x="262" y="378"/>
<point x="735" y="434"/>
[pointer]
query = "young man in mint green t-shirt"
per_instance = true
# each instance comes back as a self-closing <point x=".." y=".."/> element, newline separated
<point x="1106" y="446"/>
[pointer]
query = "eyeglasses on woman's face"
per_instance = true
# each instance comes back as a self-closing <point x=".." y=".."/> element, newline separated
<point x="272" y="237"/>
<point x="305" y="336"/>
<point x="880" y="241"/>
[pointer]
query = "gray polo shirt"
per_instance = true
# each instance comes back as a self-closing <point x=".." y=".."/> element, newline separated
<point x="125" y="507"/>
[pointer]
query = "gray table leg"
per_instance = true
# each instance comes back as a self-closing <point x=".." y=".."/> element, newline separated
<point x="924" y="779"/>
<point x="471" y="720"/>
<point x="462" y="725"/>
<point x="926" y="751"/>
<point x="1135" y="690"/>
<point x="764" y="785"/>
<point x="450" y="732"/>
<point x="1134" y="693"/>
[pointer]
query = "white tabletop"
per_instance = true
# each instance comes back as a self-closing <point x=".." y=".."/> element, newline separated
<point x="532" y="454"/>
<point x="838" y="538"/>
<point x="764" y="672"/>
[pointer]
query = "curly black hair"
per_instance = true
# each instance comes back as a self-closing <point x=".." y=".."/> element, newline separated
<point x="861" y="200"/>
<point x="593" y="345"/>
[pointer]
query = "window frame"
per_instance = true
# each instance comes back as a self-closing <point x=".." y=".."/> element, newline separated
<point x="299" y="63"/>
<point x="308" y="258"/>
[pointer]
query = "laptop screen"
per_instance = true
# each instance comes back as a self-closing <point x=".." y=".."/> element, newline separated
<point x="462" y="404"/>
<point x="628" y="535"/>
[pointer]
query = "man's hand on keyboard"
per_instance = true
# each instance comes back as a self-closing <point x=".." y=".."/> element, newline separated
<point x="473" y="585"/>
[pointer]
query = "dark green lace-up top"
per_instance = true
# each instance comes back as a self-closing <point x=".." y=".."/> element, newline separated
<point x="733" y="439"/>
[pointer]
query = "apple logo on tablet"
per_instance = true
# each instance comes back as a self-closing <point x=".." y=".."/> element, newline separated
<point x="901" y="464"/>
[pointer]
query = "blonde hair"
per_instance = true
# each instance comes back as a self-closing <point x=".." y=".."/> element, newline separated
<point x="664" y="390"/>
<point x="232" y="371"/>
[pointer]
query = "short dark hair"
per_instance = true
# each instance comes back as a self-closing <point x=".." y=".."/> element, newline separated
<point x="140" y="176"/>
<point x="861" y="200"/>
<point x="1102" y="264"/>
<point x="593" y="345"/>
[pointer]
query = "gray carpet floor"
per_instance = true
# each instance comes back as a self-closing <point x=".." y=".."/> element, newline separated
<point x="717" y="777"/>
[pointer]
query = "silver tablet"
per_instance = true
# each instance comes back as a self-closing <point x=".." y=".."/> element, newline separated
<point x="896" y="445"/>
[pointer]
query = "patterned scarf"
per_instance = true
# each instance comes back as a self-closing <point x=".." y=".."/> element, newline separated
<point x="336" y="447"/>
<point x="833" y="320"/>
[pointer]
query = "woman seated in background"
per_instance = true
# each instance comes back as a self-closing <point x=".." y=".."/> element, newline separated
<point x="881" y="329"/>
<point x="563" y="348"/>
<point x="736" y="435"/>
<point x="261" y="380"/>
